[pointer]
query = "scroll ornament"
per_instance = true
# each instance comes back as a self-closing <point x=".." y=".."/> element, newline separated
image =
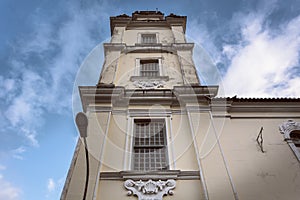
<point x="150" y="190"/>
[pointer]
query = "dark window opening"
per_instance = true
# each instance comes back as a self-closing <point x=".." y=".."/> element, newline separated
<point x="149" y="68"/>
<point x="149" y="147"/>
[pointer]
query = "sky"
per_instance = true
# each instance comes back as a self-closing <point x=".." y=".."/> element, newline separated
<point x="253" y="46"/>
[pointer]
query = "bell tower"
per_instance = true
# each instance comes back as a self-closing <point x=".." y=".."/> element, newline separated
<point x="143" y="116"/>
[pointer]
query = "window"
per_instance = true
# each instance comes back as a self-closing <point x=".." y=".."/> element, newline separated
<point x="291" y="132"/>
<point x="148" y="38"/>
<point x="149" y="68"/>
<point x="149" y="145"/>
<point x="295" y="137"/>
<point x="149" y="73"/>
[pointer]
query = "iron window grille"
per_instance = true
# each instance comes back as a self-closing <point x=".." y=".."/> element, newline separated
<point x="149" y="146"/>
<point x="295" y="137"/>
<point x="148" y="38"/>
<point x="149" y="68"/>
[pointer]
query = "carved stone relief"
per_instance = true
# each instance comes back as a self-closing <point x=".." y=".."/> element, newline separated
<point x="150" y="190"/>
<point x="149" y="84"/>
<point x="287" y="127"/>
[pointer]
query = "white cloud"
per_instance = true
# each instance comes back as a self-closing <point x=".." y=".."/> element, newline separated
<point x="6" y="86"/>
<point x="36" y="88"/>
<point x="253" y="58"/>
<point x="261" y="66"/>
<point x="54" y="188"/>
<point x="204" y="59"/>
<point x="51" y="185"/>
<point x="31" y="137"/>
<point x="8" y="191"/>
<point x="2" y="167"/>
<point x="18" y="152"/>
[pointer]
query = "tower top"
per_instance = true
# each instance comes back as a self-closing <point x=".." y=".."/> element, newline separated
<point x="153" y="18"/>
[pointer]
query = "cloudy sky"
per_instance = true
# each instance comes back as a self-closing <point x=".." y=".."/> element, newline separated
<point x="254" y="45"/>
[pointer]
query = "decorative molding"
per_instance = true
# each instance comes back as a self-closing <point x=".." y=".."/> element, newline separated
<point x="154" y="175"/>
<point x="149" y="84"/>
<point x="155" y="47"/>
<point x="287" y="127"/>
<point x="150" y="190"/>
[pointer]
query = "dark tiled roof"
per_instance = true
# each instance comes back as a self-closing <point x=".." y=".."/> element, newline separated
<point x="253" y="99"/>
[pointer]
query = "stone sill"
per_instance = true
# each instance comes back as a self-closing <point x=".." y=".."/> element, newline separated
<point x="154" y="175"/>
<point x="146" y="78"/>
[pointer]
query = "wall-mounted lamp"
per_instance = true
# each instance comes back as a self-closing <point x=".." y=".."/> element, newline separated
<point x="82" y="124"/>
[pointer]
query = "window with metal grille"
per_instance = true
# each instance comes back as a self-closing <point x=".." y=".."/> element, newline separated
<point x="295" y="137"/>
<point x="148" y="38"/>
<point x="149" y="147"/>
<point x="149" y="68"/>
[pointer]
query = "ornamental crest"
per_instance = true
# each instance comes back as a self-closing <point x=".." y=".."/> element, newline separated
<point x="149" y="84"/>
<point x="150" y="190"/>
<point x="287" y="127"/>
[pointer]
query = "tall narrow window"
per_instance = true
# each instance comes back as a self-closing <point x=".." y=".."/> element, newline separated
<point x="149" y="68"/>
<point x="148" y="38"/>
<point x="150" y="152"/>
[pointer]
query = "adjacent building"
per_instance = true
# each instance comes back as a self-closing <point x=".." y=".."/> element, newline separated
<point x="155" y="132"/>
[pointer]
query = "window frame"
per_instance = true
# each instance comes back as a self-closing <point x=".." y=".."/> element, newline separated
<point x="166" y="146"/>
<point x="145" y="68"/>
<point x="287" y="128"/>
<point x="140" y="37"/>
<point x="138" y="67"/>
<point x="148" y="38"/>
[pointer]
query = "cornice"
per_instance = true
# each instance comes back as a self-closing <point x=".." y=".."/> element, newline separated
<point x="113" y="47"/>
<point x="147" y="23"/>
<point x="201" y="96"/>
<point x="154" y="175"/>
<point x="148" y="48"/>
<point x="183" y="46"/>
<point x="119" y="96"/>
<point x="148" y="14"/>
<point x="134" y="22"/>
<point x="233" y="104"/>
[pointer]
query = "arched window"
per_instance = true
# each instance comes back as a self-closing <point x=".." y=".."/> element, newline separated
<point x="295" y="137"/>
<point x="291" y="132"/>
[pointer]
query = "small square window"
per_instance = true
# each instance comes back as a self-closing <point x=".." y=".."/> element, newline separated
<point x="148" y="38"/>
<point x="149" y="68"/>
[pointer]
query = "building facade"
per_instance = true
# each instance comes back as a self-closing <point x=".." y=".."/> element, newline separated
<point x="155" y="132"/>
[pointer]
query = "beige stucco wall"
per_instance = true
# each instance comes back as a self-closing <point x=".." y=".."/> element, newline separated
<point x="255" y="175"/>
<point x="127" y="68"/>
<point x="118" y="33"/>
<point x="113" y="155"/>
<point x="184" y="152"/>
<point x="165" y="34"/>
<point x="109" y="66"/>
<point x="270" y="175"/>
<point x="179" y="34"/>
<point x="119" y="67"/>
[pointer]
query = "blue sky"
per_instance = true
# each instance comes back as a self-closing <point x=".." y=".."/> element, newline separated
<point x="43" y="43"/>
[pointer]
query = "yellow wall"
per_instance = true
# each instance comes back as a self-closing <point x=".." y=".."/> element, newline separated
<point x="256" y="175"/>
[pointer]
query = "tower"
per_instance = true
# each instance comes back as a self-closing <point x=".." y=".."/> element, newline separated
<point x="154" y="131"/>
